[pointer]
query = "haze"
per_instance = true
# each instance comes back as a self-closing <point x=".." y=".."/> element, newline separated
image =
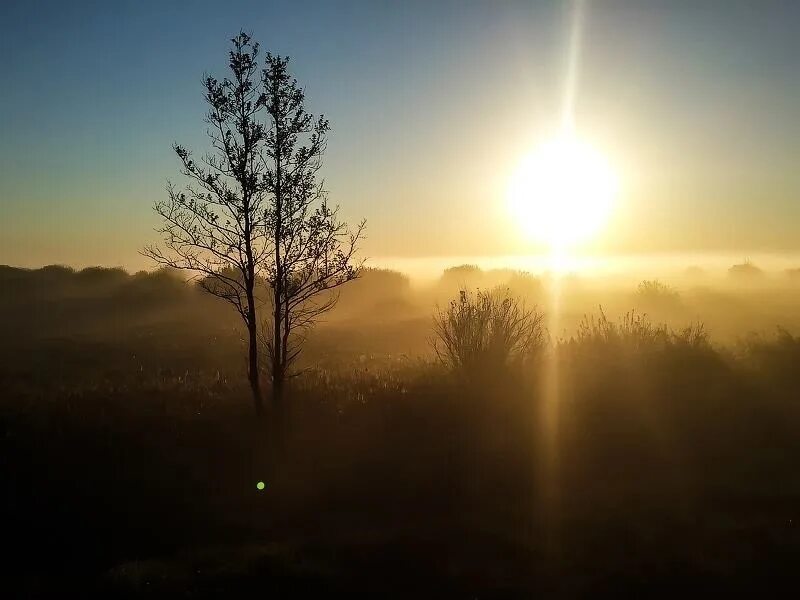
<point x="453" y="299"/>
<point x="432" y="107"/>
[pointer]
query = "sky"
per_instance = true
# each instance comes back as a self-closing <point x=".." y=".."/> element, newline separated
<point x="432" y="104"/>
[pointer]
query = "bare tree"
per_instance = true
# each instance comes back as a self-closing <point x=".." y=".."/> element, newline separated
<point x="313" y="251"/>
<point x="254" y="211"/>
<point x="215" y="226"/>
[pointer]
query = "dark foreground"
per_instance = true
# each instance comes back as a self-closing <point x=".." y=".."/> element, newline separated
<point x="648" y="466"/>
<point x="401" y="485"/>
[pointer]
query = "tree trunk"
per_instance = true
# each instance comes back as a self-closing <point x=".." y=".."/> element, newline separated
<point x="278" y="370"/>
<point x="278" y="377"/>
<point x="277" y="391"/>
<point x="277" y="355"/>
<point x="278" y="418"/>
<point x="252" y="367"/>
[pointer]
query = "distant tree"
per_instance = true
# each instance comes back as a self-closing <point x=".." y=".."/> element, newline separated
<point x="461" y="277"/>
<point x="312" y="250"/>
<point x="377" y="288"/>
<point x="101" y="276"/>
<point x="461" y="271"/>
<point x="525" y="284"/>
<point x="745" y="270"/>
<point x="216" y="226"/>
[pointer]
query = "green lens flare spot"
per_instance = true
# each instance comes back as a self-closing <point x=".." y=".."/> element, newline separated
<point x="260" y="485"/>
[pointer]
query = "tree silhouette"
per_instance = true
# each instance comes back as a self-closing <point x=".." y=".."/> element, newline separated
<point x="254" y="212"/>
<point x="313" y="252"/>
<point x="215" y="226"/>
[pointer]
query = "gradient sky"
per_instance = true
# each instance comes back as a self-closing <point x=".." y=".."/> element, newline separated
<point x="431" y="104"/>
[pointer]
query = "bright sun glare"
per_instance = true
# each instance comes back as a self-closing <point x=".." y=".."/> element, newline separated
<point x="562" y="193"/>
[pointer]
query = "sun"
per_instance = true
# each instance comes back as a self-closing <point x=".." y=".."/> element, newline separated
<point x="562" y="193"/>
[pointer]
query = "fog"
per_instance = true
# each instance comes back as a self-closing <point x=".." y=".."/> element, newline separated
<point x="649" y="404"/>
<point x="385" y="312"/>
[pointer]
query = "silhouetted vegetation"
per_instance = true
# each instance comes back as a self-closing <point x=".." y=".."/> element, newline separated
<point x="254" y="214"/>
<point x="487" y="333"/>
<point x="130" y="456"/>
<point x="652" y="290"/>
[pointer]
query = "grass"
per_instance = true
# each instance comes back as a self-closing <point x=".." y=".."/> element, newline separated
<point x="400" y="477"/>
<point x="129" y="465"/>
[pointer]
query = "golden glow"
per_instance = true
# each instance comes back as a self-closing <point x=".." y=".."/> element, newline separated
<point x="562" y="193"/>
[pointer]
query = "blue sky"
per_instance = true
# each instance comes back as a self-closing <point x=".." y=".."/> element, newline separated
<point x="431" y="105"/>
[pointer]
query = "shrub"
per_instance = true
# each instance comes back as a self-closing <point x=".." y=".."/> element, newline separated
<point x="634" y="333"/>
<point x="376" y="290"/>
<point x="487" y="332"/>
<point x="632" y="330"/>
<point x="655" y="294"/>
<point x="653" y="287"/>
<point x="777" y="357"/>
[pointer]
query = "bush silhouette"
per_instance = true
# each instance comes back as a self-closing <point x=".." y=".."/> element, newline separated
<point x="487" y="332"/>
<point x="653" y="289"/>
<point x="633" y="333"/>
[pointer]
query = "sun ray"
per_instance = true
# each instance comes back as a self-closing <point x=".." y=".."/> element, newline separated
<point x="562" y="212"/>
<point x="573" y="56"/>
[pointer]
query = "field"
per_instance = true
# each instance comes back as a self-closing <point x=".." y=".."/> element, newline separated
<point x="641" y="453"/>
